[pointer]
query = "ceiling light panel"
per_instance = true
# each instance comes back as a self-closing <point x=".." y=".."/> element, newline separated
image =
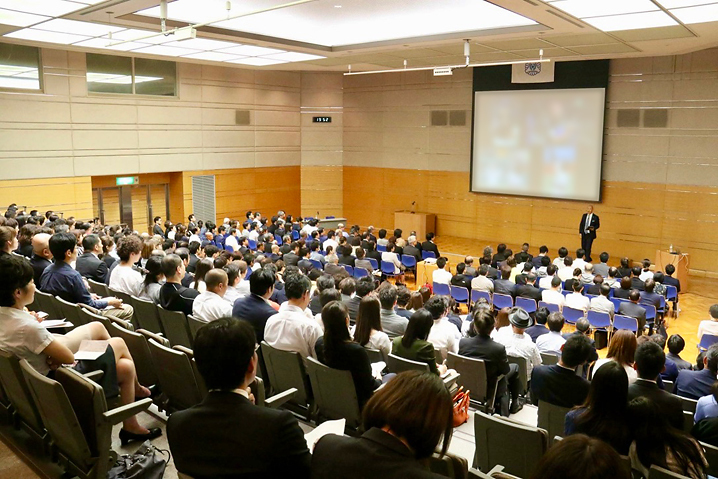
<point x="45" y="36"/>
<point x="212" y="56"/>
<point x="320" y="23"/>
<point x="256" y="61"/>
<point x="165" y="50"/>
<point x="251" y="50"/>
<point x="104" y="42"/>
<point x="19" y="19"/>
<point x="202" y="44"/>
<point x="631" y="21"/>
<point x="293" y="57"/>
<point x="584" y="8"/>
<point x="700" y="14"/>
<point x="52" y="8"/>
<point x="77" y="28"/>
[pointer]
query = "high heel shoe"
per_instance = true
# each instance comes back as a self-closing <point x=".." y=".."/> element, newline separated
<point x="126" y="436"/>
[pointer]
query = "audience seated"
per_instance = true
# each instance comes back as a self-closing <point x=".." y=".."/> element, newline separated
<point x="443" y="335"/>
<point x="604" y="414"/>
<point x="601" y="303"/>
<point x="505" y="285"/>
<point x="649" y="363"/>
<point x="709" y="326"/>
<point x="537" y="261"/>
<point x="326" y="297"/>
<point x="583" y="328"/>
<point x="482" y="281"/>
<point x="203" y="267"/>
<point x="595" y="288"/>
<point x="124" y="277"/>
<point x="441" y="274"/>
<point x="539" y="327"/>
<point x="368" y="331"/>
<point x="210" y="305"/>
<point x="41" y="255"/>
<point x="323" y="282"/>
<point x="581" y="457"/>
<point x="636" y="281"/>
<point x="676" y="344"/>
<point x="291" y="329"/>
<point x="404" y="422"/>
<point x="412" y="248"/>
<point x="546" y="274"/>
<point x="414" y="345"/>
<point x="23" y="334"/>
<point x="554" y="295"/>
<point x="429" y="245"/>
<point x="621" y="350"/>
<point x="89" y="265"/>
<point x="226" y="435"/>
<point x="576" y="300"/>
<point x="460" y="278"/>
<point x="601" y="268"/>
<point x="151" y="283"/>
<point x="657" y="442"/>
<point x="237" y="287"/>
<point x="633" y="310"/>
<point x="553" y="342"/>
<point x="8" y="240"/>
<point x="624" y="291"/>
<point x="696" y="384"/>
<point x="174" y="296"/>
<point x="391" y="323"/>
<point x="567" y="271"/>
<point x="559" y="384"/>
<point x="516" y="342"/>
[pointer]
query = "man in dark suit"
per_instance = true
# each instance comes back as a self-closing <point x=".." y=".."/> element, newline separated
<point x="41" y="255"/>
<point x="325" y="281"/>
<point x="89" y="265"/>
<point x="504" y="285"/>
<point x="649" y="362"/>
<point x="524" y="255"/>
<point x="174" y="296"/>
<point x="194" y="256"/>
<point x="696" y="384"/>
<point x="634" y="310"/>
<point x="525" y="272"/>
<point x="157" y="227"/>
<point x="226" y="435"/>
<point x="292" y="258"/>
<point x="483" y="347"/>
<point x="412" y="249"/>
<point x="636" y="281"/>
<point x="587" y="230"/>
<point x="371" y="252"/>
<point x="558" y="384"/>
<point x="583" y="328"/>
<point x="648" y="296"/>
<point x="536" y="260"/>
<point x="528" y="290"/>
<point x="304" y="264"/>
<point x="254" y="307"/>
<point x="364" y="286"/>
<point x="429" y="244"/>
<point x="460" y="279"/>
<point x="539" y="327"/>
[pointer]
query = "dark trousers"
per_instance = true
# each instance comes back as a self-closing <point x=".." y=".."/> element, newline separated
<point x="509" y="385"/>
<point x="586" y="243"/>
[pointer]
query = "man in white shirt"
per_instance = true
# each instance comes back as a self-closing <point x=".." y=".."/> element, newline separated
<point x="517" y="343"/>
<point x="253" y="232"/>
<point x="441" y="275"/>
<point x="554" y="295"/>
<point x="646" y="273"/>
<point x="330" y="241"/>
<point x="601" y="303"/>
<point x="230" y="242"/>
<point x="234" y="277"/>
<point x="443" y="335"/>
<point x="290" y="329"/>
<point x="545" y="282"/>
<point x="709" y="326"/>
<point x="576" y="300"/>
<point x="588" y="275"/>
<point x="552" y="342"/>
<point x="210" y="305"/>
<point x="566" y="272"/>
<point x="579" y="262"/>
<point x="482" y="281"/>
<point x="559" y="260"/>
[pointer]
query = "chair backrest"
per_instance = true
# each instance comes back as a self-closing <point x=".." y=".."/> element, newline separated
<point x="175" y="327"/>
<point x="194" y="325"/>
<point x="126" y="298"/>
<point x="476" y="295"/>
<point x="449" y="465"/>
<point x="707" y="340"/>
<point x="396" y="364"/>
<point x="460" y="294"/>
<point x="286" y="370"/>
<point x="100" y="289"/>
<point x="70" y="311"/>
<point x="381" y="248"/>
<point x="88" y="317"/>
<point x="176" y="377"/>
<point x="408" y="260"/>
<point x="656" y="472"/>
<point x="146" y="314"/>
<point x="523" y="371"/>
<point x="496" y="440"/>
<point x="553" y="307"/>
<point x="599" y="320"/>
<point x="671" y="292"/>
<point x="572" y="315"/>
<point x="334" y="393"/>
<point x="18" y="392"/>
<point x="552" y="418"/>
<point x="689" y="404"/>
<point x="625" y="322"/>
<point x="688" y="421"/>
<point x="473" y="377"/>
<point x="349" y="269"/>
<point x="360" y="272"/>
<point x="711" y="453"/>
<point x="441" y="289"/>
<point x="140" y="350"/>
<point x="317" y="264"/>
<point x="503" y="301"/>
<point x="375" y="355"/>
<point x="57" y="415"/>
<point x="46" y="302"/>
<point x="387" y="268"/>
<point x="428" y="254"/>
<point x="527" y="303"/>
<point x="549" y="360"/>
<point x="650" y="311"/>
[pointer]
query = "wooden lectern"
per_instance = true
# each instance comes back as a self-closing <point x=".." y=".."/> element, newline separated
<point x="422" y="223"/>
<point x="680" y="261"/>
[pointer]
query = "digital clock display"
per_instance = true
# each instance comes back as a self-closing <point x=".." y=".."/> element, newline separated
<point x="322" y="119"/>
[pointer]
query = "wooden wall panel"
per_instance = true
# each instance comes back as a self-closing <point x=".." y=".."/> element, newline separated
<point x="636" y="218"/>
<point x="322" y="190"/>
<point x="72" y="196"/>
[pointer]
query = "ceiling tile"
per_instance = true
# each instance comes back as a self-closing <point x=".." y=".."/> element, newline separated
<point x="547" y="53"/>
<point x="604" y="49"/>
<point x="458" y="49"/>
<point x="519" y="44"/>
<point x="584" y="39"/>
<point x="665" y="33"/>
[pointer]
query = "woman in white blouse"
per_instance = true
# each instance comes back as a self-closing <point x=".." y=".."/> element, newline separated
<point x="368" y="332"/>
<point x="392" y="258"/>
<point x="124" y="278"/>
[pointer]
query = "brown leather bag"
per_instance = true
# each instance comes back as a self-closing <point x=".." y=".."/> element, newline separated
<point x="461" y="407"/>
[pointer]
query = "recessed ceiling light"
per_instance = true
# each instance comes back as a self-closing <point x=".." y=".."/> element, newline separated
<point x="251" y="50"/>
<point x="631" y="21"/>
<point x="19" y="19"/>
<point x="52" y="8"/>
<point x="165" y="50"/>
<point x="103" y="42"/>
<point x="45" y="36"/>
<point x="212" y="56"/>
<point x="583" y="9"/>
<point x="292" y="57"/>
<point x="77" y="28"/>
<point x="256" y="61"/>
<point x="700" y="14"/>
<point x="337" y="6"/>
<point x="202" y="44"/>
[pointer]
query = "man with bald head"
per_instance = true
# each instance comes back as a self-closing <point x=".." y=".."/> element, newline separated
<point x="41" y="255"/>
<point x="210" y="305"/>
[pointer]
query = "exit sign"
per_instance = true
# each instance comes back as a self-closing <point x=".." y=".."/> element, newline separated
<point x="127" y="180"/>
<point x="322" y="119"/>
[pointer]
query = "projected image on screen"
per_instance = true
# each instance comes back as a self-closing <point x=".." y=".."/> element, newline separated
<point x="544" y="143"/>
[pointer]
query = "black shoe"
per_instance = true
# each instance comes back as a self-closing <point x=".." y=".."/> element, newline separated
<point x="516" y="407"/>
<point x="127" y="436"/>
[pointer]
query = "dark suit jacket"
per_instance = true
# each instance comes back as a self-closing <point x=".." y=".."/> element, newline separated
<point x="352" y="305"/>
<point x="429" y="246"/>
<point x="536" y="330"/>
<point x="254" y="309"/>
<point x="352" y="357"/>
<point x="38" y="264"/>
<point x="527" y="291"/>
<point x="460" y="280"/>
<point x="694" y="384"/>
<point x="413" y="251"/>
<point x="157" y="230"/>
<point x="290" y="259"/>
<point x="557" y="385"/>
<point x="636" y="283"/>
<point x="670" y="405"/>
<point x="634" y="311"/>
<point x="187" y="280"/>
<point x="316" y="307"/>
<point x="175" y="297"/>
<point x="652" y="299"/>
<point x="109" y="261"/>
<point x="193" y="260"/>
<point x="593" y="289"/>
<point x="227" y="436"/>
<point x="92" y="267"/>
<point x="331" y="268"/>
<point x="671" y="281"/>
<point x="305" y="265"/>
<point x="706" y="430"/>
<point x="347" y="259"/>
<point x="374" y="255"/>
<point x="504" y="286"/>
<point x="376" y="454"/>
<point x="621" y="293"/>
<point x="595" y="222"/>
<point x="493" y="353"/>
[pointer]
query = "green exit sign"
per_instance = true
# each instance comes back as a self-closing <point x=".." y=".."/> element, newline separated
<point x="127" y="180"/>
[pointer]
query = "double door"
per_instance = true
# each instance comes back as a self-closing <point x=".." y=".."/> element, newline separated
<point x="134" y="206"/>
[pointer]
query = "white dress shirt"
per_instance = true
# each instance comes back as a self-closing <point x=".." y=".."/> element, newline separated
<point x="586" y="225"/>
<point x="707" y="326"/>
<point x="210" y="306"/>
<point x="565" y="273"/>
<point x="22" y="335"/>
<point x="553" y="297"/>
<point x="194" y="238"/>
<point x="630" y="372"/>
<point x="521" y="346"/>
<point x="579" y="263"/>
<point x="330" y="242"/>
<point x="231" y="240"/>
<point x="577" y="301"/>
<point x="444" y="335"/>
<point x="126" y="280"/>
<point x="441" y="276"/>
<point x="379" y="340"/>
<point x="545" y="282"/>
<point x="645" y="275"/>
<point x="291" y="330"/>
<point x="550" y="343"/>
<point x="558" y="262"/>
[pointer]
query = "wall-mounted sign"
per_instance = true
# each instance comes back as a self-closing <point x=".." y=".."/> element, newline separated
<point x="322" y="119"/>
<point x="127" y="180"/>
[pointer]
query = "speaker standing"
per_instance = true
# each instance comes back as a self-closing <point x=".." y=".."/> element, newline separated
<point x="587" y="230"/>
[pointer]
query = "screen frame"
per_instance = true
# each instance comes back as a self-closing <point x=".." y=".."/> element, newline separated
<point x="568" y="75"/>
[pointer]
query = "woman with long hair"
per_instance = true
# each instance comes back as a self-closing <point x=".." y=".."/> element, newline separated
<point x="151" y="284"/>
<point x="337" y="350"/>
<point x="368" y="332"/>
<point x="109" y="255"/>
<point x="414" y="345"/>
<point x="604" y="415"/>
<point x="202" y="268"/>
<point x="657" y="442"/>
<point x="416" y="302"/>
<point x="622" y="350"/>
<point x="8" y="240"/>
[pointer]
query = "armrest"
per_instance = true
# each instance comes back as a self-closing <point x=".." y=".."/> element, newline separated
<point x="123" y="324"/>
<point x="119" y="414"/>
<point x="94" y="375"/>
<point x="450" y="379"/>
<point x="185" y="350"/>
<point x="156" y="336"/>
<point x="278" y="399"/>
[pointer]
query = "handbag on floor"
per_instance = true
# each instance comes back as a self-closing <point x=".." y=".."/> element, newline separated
<point x="146" y="463"/>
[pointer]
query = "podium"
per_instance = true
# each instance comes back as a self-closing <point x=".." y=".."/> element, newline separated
<point x="680" y="261"/>
<point x="422" y="223"/>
